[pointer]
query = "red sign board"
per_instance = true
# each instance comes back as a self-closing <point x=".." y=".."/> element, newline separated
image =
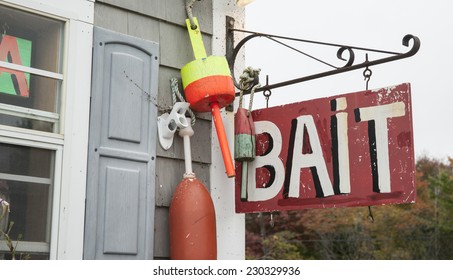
<point x="348" y="150"/>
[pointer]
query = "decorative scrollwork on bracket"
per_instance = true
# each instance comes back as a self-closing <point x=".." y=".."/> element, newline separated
<point x="350" y="60"/>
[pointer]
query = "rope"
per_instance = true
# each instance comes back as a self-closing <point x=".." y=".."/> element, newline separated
<point x="249" y="80"/>
<point x="189" y="6"/>
<point x="175" y="94"/>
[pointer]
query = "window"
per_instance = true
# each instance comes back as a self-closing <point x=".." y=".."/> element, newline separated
<point x="26" y="179"/>
<point x="31" y="77"/>
<point x="30" y="70"/>
<point x="45" y="82"/>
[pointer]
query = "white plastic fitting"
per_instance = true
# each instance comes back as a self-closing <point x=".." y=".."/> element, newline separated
<point x="186" y="133"/>
<point x="168" y="123"/>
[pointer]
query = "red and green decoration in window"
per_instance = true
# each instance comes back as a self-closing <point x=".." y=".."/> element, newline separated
<point x="18" y="51"/>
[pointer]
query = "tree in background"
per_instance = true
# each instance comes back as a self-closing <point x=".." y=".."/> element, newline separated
<point x="423" y="230"/>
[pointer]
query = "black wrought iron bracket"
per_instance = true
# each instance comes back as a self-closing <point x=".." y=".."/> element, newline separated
<point x="350" y="65"/>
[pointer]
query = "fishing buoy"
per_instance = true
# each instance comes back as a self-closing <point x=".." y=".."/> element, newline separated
<point x="244" y="127"/>
<point x="192" y="214"/>
<point x="208" y="86"/>
<point x="244" y="144"/>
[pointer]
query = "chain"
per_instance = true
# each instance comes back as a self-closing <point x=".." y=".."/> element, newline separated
<point x="151" y="99"/>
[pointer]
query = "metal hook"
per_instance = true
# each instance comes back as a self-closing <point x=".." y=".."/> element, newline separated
<point x="267" y="92"/>
<point x="272" y="223"/>
<point x="367" y="76"/>
<point x="367" y="72"/>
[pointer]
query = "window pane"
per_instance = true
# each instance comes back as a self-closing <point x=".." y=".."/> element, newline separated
<point x="34" y="44"/>
<point x="24" y="122"/>
<point x="25" y="256"/>
<point x="25" y="161"/>
<point x="43" y="95"/>
<point x="29" y="219"/>
<point x="29" y="205"/>
<point x="26" y="183"/>
<point x="35" y="40"/>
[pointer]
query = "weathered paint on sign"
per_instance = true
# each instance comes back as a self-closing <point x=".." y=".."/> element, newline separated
<point x="348" y="150"/>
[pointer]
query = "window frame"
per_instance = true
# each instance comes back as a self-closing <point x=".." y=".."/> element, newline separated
<point x="71" y="142"/>
<point x="35" y="114"/>
<point x="39" y="247"/>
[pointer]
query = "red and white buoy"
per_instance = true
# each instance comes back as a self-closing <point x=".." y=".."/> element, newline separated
<point x="192" y="214"/>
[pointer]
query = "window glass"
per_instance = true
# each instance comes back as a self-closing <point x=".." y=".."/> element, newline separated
<point x="43" y="95"/>
<point x="26" y="181"/>
<point x="30" y="70"/>
<point x="39" y="111"/>
<point x="24" y="122"/>
<point x="36" y="40"/>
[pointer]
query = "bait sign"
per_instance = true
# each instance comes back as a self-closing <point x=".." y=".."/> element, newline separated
<point x="348" y="150"/>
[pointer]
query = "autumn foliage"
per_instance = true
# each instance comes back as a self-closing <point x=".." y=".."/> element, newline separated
<point x="423" y="230"/>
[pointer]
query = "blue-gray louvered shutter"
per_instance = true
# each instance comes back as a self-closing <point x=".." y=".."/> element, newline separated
<point x="120" y="197"/>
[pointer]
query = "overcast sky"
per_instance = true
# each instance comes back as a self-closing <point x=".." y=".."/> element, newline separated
<point x="375" y="24"/>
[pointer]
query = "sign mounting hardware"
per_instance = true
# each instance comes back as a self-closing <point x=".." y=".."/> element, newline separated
<point x="232" y="52"/>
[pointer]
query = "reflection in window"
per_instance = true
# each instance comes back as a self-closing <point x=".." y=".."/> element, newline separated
<point x="31" y="61"/>
<point x="45" y="37"/>
<point x="26" y="181"/>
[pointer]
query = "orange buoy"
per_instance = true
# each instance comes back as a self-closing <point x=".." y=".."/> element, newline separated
<point x="192" y="214"/>
<point x="192" y="222"/>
